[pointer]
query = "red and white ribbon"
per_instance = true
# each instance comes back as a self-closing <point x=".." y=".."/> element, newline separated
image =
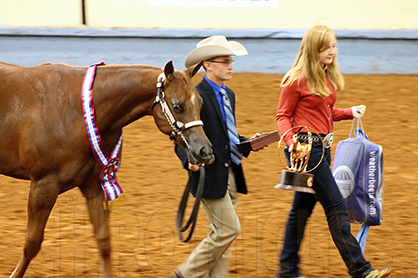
<point x="110" y="164"/>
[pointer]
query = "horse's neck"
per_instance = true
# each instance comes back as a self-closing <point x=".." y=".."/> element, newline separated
<point x="122" y="95"/>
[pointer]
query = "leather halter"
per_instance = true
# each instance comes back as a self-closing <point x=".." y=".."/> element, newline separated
<point x="176" y="126"/>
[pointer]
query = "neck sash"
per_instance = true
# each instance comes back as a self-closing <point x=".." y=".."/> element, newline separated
<point x="110" y="164"/>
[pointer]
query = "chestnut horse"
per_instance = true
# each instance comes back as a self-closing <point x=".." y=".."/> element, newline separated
<point x="43" y="138"/>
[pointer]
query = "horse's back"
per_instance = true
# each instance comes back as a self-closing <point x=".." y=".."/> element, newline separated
<point x="21" y="79"/>
<point x="41" y="88"/>
<point x="41" y="114"/>
<point x="39" y="110"/>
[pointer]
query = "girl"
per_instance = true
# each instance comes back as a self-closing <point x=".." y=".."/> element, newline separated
<point x="309" y="91"/>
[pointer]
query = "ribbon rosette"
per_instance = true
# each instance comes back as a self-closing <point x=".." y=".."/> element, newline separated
<point x="110" y="164"/>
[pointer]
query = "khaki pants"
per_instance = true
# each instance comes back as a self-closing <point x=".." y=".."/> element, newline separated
<point x="210" y="258"/>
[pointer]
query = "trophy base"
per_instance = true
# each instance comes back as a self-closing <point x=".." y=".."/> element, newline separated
<point x="301" y="182"/>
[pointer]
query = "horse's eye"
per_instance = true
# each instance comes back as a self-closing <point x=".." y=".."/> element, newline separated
<point x="178" y="107"/>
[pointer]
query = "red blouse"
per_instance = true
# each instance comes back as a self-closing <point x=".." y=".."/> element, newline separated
<point x="297" y="106"/>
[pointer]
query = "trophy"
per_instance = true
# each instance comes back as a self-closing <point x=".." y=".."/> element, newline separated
<point x="296" y="176"/>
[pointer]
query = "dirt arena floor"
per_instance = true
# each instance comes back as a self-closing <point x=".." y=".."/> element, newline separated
<point x="144" y="239"/>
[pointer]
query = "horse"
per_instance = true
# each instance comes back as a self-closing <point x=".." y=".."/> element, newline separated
<point x="43" y="135"/>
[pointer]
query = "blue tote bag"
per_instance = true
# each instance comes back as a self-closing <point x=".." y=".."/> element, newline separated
<point x="358" y="172"/>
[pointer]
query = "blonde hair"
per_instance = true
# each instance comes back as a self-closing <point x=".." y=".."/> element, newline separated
<point x="308" y="65"/>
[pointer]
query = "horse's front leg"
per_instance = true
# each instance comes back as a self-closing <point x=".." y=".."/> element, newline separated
<point x="99" y="217"/>
<point x="42" y="197"/>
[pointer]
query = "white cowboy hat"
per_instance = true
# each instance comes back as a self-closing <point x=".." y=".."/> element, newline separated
<point x="214" y="46"/>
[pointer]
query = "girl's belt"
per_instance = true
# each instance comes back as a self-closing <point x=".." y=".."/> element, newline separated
<point x="325" y="139"/>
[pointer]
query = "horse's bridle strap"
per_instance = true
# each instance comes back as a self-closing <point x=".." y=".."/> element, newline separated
<point x="177" y="126"/>
<point x="192" y="124"/>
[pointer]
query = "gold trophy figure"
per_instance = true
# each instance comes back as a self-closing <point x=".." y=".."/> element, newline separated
<point x="296" y="176"/>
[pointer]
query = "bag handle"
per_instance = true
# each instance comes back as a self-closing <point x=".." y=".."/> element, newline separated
<point x="359" y="132"/>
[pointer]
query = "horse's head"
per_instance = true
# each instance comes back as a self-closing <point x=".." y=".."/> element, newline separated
<point x="177" y="113"/>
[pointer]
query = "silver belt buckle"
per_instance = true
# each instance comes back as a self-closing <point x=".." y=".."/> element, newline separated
<point x="328" y="140"/>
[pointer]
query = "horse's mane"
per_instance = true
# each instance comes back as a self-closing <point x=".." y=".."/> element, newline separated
<point x="141" y="66"/>
<point x="65" y="65"/>
<point x="113" y="66"/>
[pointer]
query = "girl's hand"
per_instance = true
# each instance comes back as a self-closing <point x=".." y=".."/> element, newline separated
<point x="358" y="111"/>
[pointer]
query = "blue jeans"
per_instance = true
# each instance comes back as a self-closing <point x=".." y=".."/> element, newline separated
<point x="328" y="194"/>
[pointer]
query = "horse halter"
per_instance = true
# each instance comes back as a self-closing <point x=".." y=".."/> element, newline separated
<point x="177" y="126"/>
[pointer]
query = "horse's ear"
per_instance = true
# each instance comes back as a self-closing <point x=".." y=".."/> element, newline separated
<point x="169" y="70"/>
<point x="191" y="71"/>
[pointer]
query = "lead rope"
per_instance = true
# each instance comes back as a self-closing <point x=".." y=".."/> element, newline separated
<point x="183" y="204"/>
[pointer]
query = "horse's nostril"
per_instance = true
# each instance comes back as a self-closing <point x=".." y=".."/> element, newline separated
<point x="207" y="155"/>
<point x="203" y="152"/>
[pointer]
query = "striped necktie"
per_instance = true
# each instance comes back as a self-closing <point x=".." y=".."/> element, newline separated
<point x="236" y="156"/>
